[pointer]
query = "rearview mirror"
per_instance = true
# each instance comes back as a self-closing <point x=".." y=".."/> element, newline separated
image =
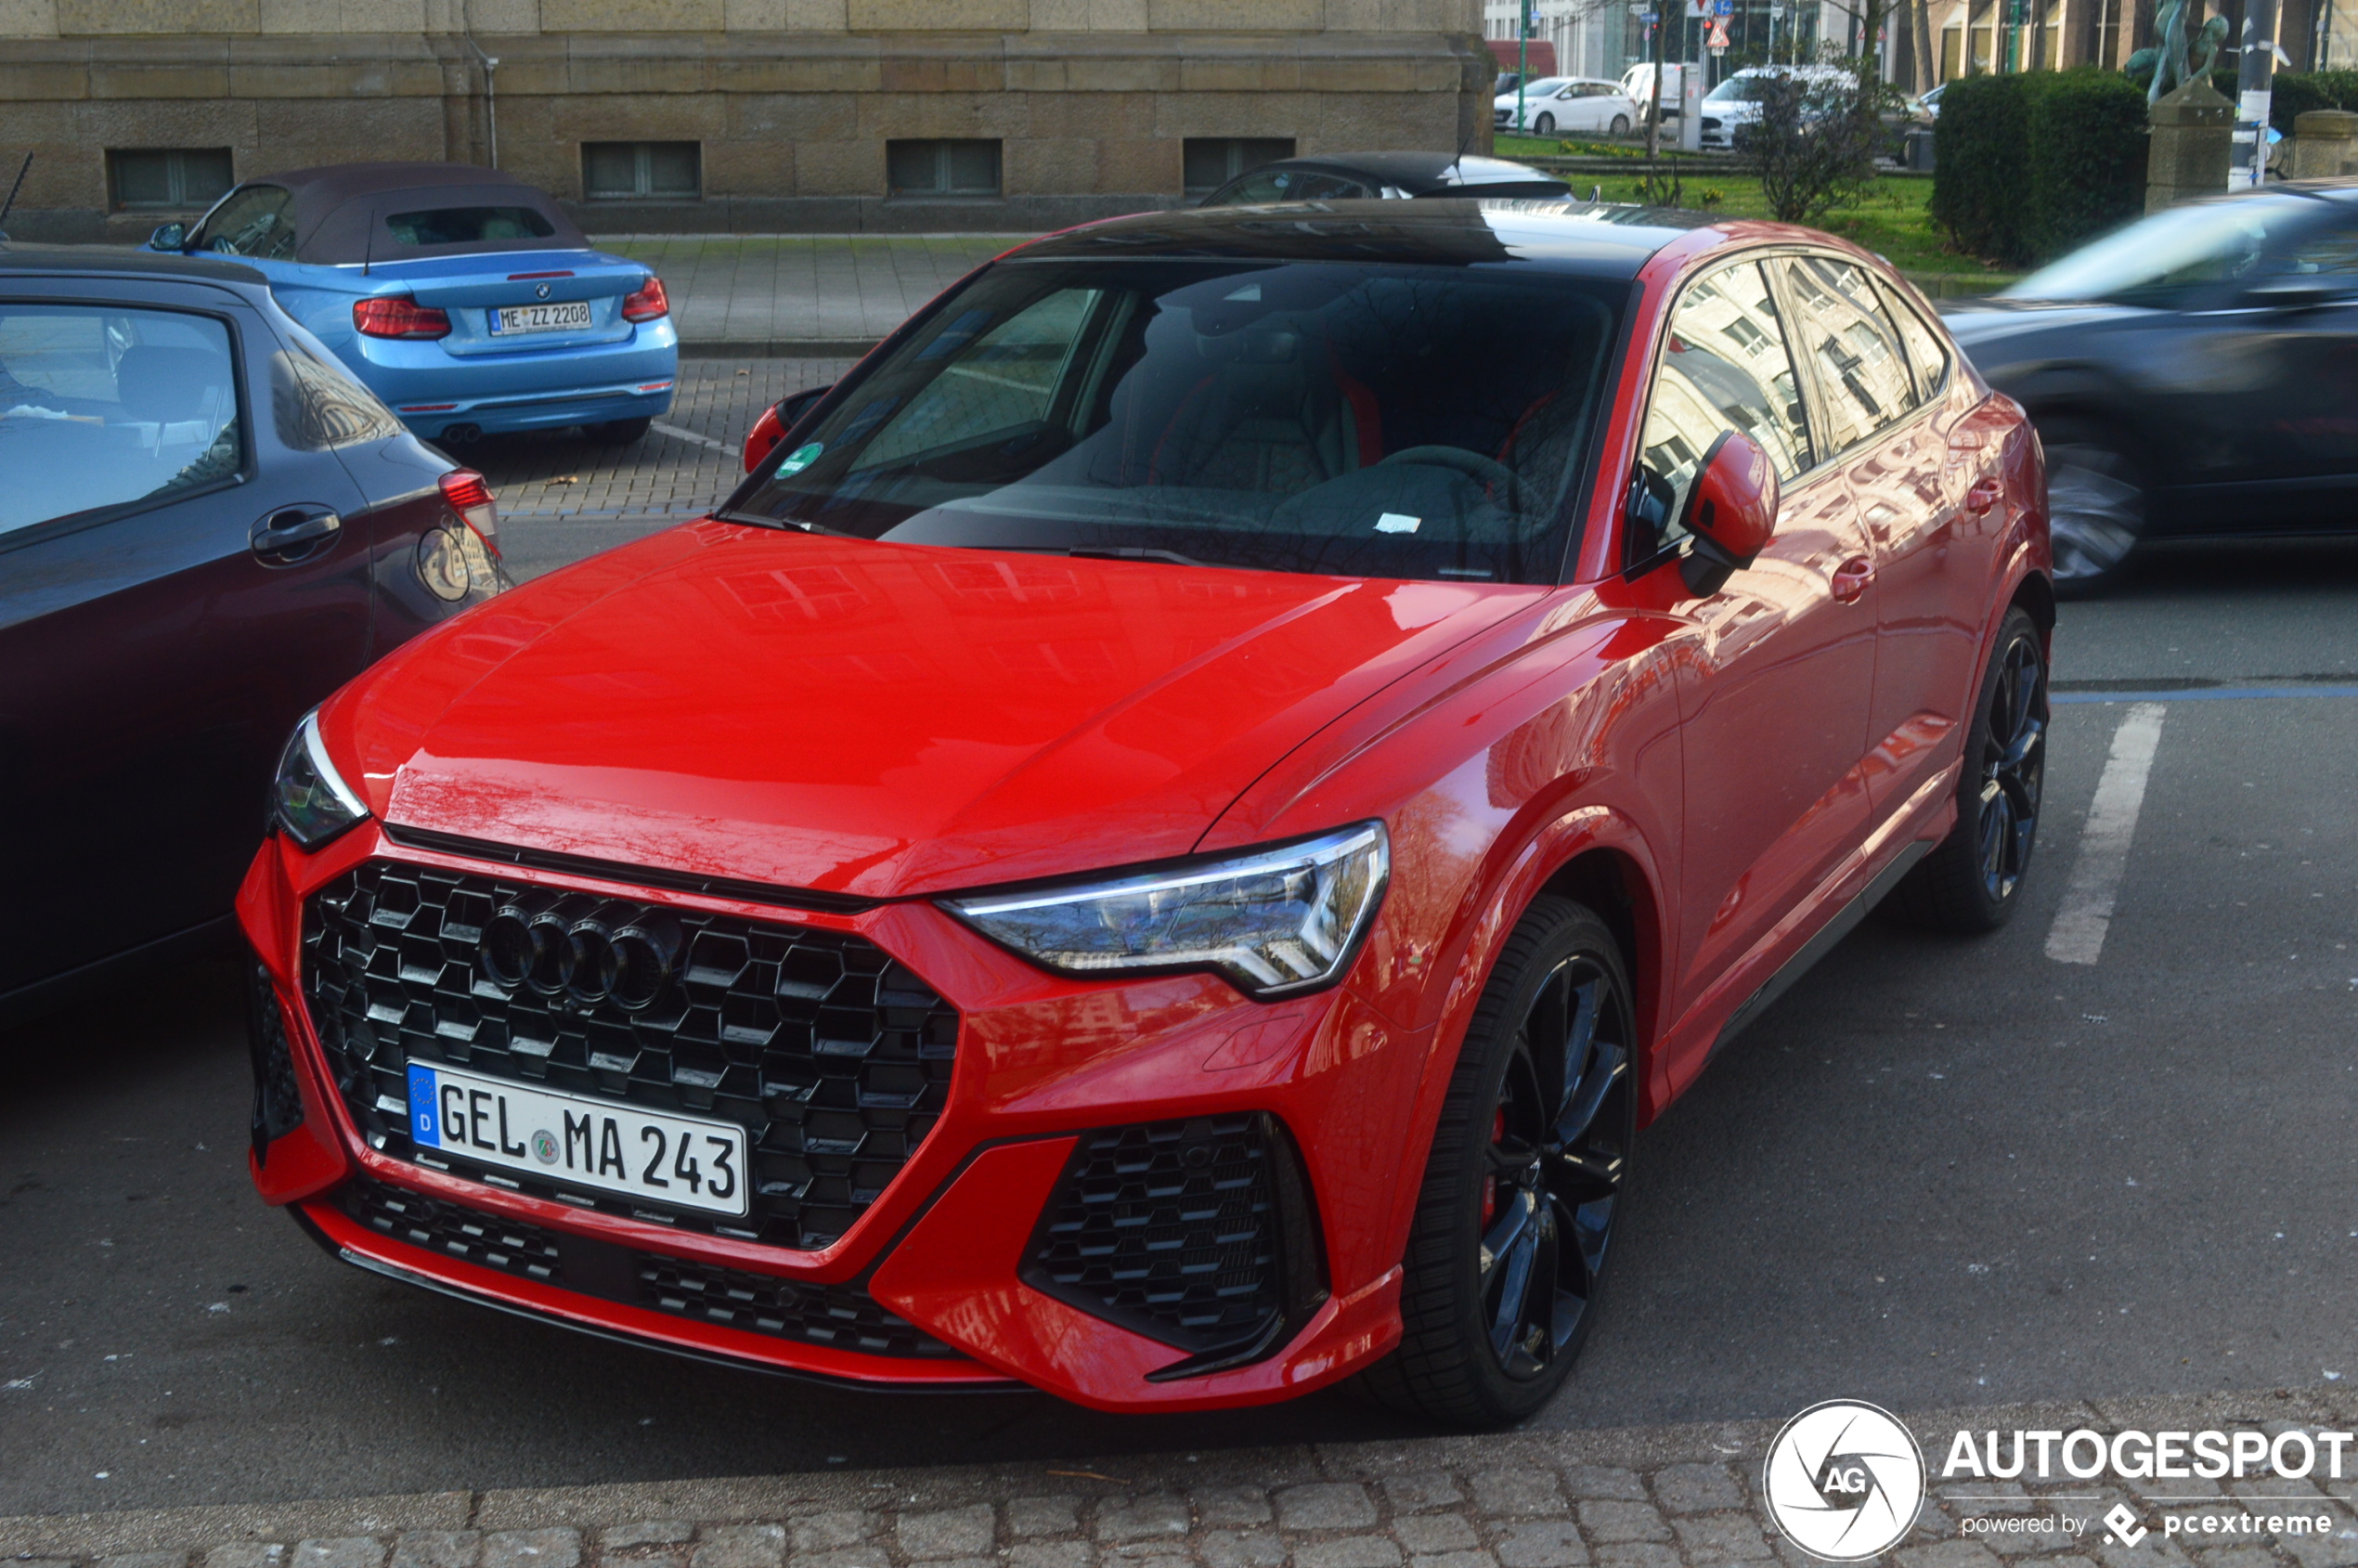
<point x="1731" y="512"/>
<point x="169" y="236"/>
<point x="2299" y="290"/>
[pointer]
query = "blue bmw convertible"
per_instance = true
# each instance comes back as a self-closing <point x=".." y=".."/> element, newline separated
<point x="465" y="300"/>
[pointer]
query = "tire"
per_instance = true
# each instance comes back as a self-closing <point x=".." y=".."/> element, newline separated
<point x="1970" y="883"/>
<point x="1545" y="125"/>
<point x="1620" y="127"/>
<point x="1534" y="1188"/>
<point x="616" y="433"/>
<point x="2096" y="502"/>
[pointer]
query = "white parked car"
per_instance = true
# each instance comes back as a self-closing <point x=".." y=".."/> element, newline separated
<point x="1637" y="85"/>
<point x="1733" y="107"/>
<point x="1563" y="104"/>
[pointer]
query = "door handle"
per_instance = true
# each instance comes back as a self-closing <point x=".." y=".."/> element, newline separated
<point x="1851" y="580"/>
<point x="1983" y="496"/>
<point x="291" y="530"/>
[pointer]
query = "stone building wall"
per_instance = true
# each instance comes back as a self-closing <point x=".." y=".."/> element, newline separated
<point x="790" y="104"/>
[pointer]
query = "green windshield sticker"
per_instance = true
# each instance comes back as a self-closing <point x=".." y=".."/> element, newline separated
<point x="800" y="459"/>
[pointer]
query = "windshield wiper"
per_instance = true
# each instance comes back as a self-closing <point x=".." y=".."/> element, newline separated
<point x="747" y="517"/>
<point x="1132" y="553"/>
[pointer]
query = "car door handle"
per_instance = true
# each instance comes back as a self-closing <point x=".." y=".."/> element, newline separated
<point x="293" y="529"/>
<point x="1983" y="496"/>
<point x="1851" y="580"/>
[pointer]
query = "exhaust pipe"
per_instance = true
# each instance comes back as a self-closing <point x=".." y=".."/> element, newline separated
<point x="461" y="435"/>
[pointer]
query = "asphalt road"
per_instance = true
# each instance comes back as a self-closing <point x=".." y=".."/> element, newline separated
<point x="1937" y="1173"/>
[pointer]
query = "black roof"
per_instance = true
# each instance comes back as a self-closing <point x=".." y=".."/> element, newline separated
<point x="1422" y="172"/>
<point x="96" y="262"/>
<point x="340" y="209"/>
<point x="1592" y="240"/>
<point x="333" y="184"/>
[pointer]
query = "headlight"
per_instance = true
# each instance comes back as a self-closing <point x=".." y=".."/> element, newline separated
<point x="308" y="798"/>
<point x="1273" y="922"/>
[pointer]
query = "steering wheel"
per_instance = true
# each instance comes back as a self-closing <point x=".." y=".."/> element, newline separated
<point x="1472" y="465"/>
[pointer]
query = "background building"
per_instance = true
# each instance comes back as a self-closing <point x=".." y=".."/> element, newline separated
<point x="701" y="116"/>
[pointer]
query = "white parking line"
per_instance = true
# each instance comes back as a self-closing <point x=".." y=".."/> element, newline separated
<point x="678" y="434"/>
<point x="2078" y="935"/>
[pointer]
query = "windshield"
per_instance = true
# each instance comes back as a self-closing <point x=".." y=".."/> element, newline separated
<point x="2158" y="259"/>
<point x="1357" y="420"/>
<point x="1534" y="90"/>
<point x="1736" y="89"/>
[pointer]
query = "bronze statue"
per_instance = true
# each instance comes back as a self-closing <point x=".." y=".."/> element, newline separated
<point x="2172" y="61"/>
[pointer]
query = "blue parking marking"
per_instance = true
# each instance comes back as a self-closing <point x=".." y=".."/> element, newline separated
<point x="2205" y="694"/>
<point x="425" y="1121"/>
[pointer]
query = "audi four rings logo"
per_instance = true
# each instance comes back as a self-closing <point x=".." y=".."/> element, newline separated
<point x="611" y="954"/>
<point x="1843" y="1481"/>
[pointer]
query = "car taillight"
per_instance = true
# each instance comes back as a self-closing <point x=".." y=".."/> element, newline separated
<point x="398" y="316"/>
<point x="468" y="496"/>
<point x="766" y="432"/>
<point x="648" y="303"/>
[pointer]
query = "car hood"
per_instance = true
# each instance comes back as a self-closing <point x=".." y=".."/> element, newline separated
<point x="874" y="720"/>
<point x="1990" y="318"/>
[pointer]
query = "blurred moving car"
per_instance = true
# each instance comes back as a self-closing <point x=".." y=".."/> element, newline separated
<point x="1926" y="108"/>
<point x="1730" y="109"/>
<point x="1163" y="850"/>
<point x="2195" y="374"/>
<point x="206" y="525"/>
<point x="1355" y="177"/>
<point x="461" y="296"/>
<point x="1567" y="103"/>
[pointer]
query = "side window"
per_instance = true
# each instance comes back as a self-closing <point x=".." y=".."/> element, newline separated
<point x="100" y="406"/>
<point x="1314" y="187"/>
<point x="1725" y="366"/>
<point x="1260" y="186"/>
<point x="2332" y="250"/>
<point x="1928" y="350"/>
<point x="1853" y="345"/>
<point x="256" y="221"/>
<point x="317" y="406"/>
<point x="1001" y="382"/>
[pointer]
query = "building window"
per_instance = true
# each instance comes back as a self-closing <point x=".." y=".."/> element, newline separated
<point x="1212" y="161"/>
<point x="182" y="177"/>
<point x="942" y="168"/>
<point x="641" y="170"/>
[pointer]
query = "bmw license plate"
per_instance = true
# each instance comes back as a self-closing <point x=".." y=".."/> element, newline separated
<point x="540" y="318"/>
<point x="574" y="1141"/>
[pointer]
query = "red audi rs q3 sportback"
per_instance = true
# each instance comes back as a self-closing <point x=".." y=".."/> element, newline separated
<point x="1217" y="703"/>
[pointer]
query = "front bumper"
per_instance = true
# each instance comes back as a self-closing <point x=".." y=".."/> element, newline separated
<point x="939" y="1282"/>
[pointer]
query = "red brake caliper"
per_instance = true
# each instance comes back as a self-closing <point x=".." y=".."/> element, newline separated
<point x="1490" y="1183"/>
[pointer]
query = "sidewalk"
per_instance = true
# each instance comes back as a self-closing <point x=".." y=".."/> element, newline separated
<point x="1660" y="1498"/>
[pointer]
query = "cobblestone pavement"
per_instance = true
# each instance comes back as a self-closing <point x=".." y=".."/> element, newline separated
<point x="798" y="289"/>
<point x="561" y="497"/>
<point x="1674" y="1497"/>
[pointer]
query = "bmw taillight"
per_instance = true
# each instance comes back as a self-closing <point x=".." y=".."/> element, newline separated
<point x="647" y="302"/>
<point x="468" y="496"/>
<point x="398" y="316"/>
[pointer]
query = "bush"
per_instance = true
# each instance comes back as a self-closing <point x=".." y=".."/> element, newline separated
<point x="2088" y="141"/>
<point x="2028" y="165"/>
<point x="1981" y="144"/>
<point x="2297" y="92"/>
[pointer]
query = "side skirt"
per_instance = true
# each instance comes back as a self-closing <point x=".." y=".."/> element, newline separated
<point x="1830" y="934"/>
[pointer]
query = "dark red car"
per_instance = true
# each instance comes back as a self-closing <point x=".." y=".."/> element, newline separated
<point x="1165" y="842"/>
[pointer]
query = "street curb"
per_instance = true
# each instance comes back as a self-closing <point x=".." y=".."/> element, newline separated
<point x="775" y="348"/>
<point x="732" y="1498"/>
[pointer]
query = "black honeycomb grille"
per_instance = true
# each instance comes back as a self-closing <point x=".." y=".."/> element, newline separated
<point x="1175" y="1229"/>
<point x="844" y="1316"/>
<point x="835" y="1058"/>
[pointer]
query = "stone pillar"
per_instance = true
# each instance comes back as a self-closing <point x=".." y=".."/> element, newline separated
<point x="2194" y="132"/>
<point x="2324" y="142"/>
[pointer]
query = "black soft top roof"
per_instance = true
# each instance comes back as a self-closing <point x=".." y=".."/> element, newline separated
<point x="1588" y="240"/>
<point x="340" y="209"/>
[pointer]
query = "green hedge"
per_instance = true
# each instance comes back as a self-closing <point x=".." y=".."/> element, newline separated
<point x="2028" y="165"/>
<point x="2297" y="92"/>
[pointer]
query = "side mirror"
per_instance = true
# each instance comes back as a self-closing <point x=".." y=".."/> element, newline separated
<point x="2299" y="291"/>
<point x="778" y="422"/>
<point x="1730" y="512"/>
<point x="169" y="236"/>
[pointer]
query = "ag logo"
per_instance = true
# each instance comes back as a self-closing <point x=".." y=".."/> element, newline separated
<point x="1843" y="1481"/>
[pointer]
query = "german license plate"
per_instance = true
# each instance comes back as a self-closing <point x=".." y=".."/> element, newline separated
<point x="540" y="318"/>
<point x="575" y="1141"/>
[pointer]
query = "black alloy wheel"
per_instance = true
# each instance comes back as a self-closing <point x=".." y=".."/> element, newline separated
<point x="1970" y="882"/>
<point x="1514" y="1222"/>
